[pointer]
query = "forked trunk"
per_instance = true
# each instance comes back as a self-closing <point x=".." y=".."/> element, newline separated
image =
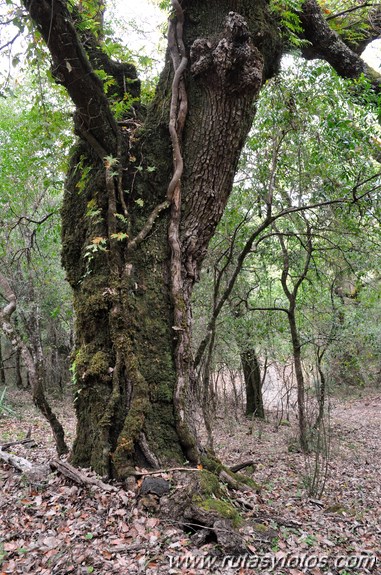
<point x="143" y="197"/>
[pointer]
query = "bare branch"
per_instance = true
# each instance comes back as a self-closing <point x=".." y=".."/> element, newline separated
<point x="349" y="10"/>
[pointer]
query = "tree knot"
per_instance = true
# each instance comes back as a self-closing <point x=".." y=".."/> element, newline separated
<point x="232" y="61"/>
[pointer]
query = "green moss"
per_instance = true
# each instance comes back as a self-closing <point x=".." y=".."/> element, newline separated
<point x="223" y="508"/>
<point x="284" y="422"/>
<point x="98" y="364"/>
<point x="337" y="508"/>
<point x="209" y="496"/>
<point x="164" y="393"/>
<point x="91" y="304"/>
<point x="260" y="527"/>
<point x="90" y="364"/>
<point x="209" y="484"/>
<point x="161" y="432"/>
<point x="211" y="463"/>
<point x="241" y="478"/>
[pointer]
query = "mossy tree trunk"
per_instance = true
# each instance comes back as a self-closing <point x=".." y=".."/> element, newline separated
<point x="132" y="242"/>
<point x="132" y="248"/>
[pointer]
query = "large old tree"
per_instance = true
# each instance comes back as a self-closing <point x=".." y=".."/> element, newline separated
<point x="144" y="193"/>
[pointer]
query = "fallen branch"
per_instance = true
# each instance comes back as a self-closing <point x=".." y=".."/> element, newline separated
<point x="32" y="471"/>
<point x="28" y="442"/>
<point x="226" y="478"/>
<point x="242" y="465"/>
<point x="161" y="471"/>
<point x="79" y="477"/>
<point x="234" y="469"/>
<point x="19" y="463"/>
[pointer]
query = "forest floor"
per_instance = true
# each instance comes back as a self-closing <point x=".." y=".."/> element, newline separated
<point x="60" y="528"/>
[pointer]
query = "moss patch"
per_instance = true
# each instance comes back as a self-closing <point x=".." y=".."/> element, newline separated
<point x="98" y="364"/>
<point x="211" y="463"/>
<point x="209" y="484"/>
<point x="244" y="479"/>
<point x="222" y="508"/>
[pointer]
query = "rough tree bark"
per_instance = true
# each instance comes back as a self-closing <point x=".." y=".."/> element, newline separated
<point x="253" y="384"/>
<point x="144" y="193"/>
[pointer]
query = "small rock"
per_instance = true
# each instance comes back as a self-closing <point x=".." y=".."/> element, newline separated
<point x="155" y="485"/>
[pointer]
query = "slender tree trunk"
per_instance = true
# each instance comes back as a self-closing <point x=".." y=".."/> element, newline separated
<point x="32" y="367"/>
<point x="18" y="374"/>
<point x="253" y="384"/>
<point x="206" y="388"/>
<point x="2" y="368"/>
<point x="296" y="350"/>
<point x="18" y="363"/>
<point x="322" y="393"/>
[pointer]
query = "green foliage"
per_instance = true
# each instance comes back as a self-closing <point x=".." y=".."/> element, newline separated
<point x="98" y="244"/>
<point x="108" y="81"/>
<point x="120" y="236"/>
<point x="93" y="212"/>
<point x="90" y="12"/>
<point x="35" y="143"/>
<point x="85" y="170"/>
<point x="352" y="21"/>
<point x="287" y="12"/>
<point x="164" y="4"/>
<point x="310" y="146"/>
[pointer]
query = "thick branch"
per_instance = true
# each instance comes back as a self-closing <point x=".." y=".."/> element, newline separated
<point x="125" y="75"/>
<point x="71" y="67"/>
<point x="148" y="225"/>
<point x="327" y="44"/>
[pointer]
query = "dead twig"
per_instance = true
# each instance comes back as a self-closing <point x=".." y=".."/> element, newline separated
<point x="242" y="465"/>
<point x="78" y="476"/>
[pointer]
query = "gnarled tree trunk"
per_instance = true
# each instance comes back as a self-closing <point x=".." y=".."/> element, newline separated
<point x="132" y="244"/>
<point x="144" y="194"/>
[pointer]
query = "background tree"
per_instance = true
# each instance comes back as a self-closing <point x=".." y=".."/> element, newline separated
<point x="31" y="277"/>
<point x="319" y="216"/>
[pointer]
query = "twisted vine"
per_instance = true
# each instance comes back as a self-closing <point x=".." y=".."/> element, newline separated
<point x="179" y="101"/>
<point x="177" y="117"/>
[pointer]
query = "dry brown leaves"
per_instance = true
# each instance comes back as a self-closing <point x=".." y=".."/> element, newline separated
<point x="60" y="528"/>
